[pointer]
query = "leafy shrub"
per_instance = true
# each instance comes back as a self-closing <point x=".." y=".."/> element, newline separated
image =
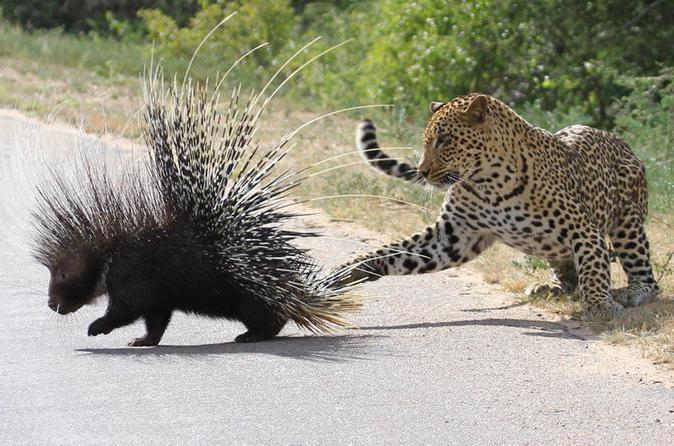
<point x="644" y="119"/>
<point x="105" y="16"/>
<point x="555" y="119"/>
<point x="257" y="21"/>
<point x="564" y="53"/>
<point x="331" y="79"/>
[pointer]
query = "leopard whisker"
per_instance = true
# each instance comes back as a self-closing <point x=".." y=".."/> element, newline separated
<point x="456" y="178"/>
<point x="469" y="182"/>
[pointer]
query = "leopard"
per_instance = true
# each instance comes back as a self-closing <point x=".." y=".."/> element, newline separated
<point x="557" y="196"/>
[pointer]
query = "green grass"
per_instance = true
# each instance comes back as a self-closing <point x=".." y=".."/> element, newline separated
<point x="103" y="57"/>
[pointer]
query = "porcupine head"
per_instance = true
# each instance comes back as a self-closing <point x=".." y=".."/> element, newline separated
<point x="76" y="279"/>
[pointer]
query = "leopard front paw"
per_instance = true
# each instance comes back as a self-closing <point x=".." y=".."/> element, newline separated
<point x="603" y="310"/>
<point x="545" y="289"/>
<point x="353" y="274"/>
<point x="365" y="273"/>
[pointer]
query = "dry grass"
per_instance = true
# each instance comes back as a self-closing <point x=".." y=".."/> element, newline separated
<point x="72" y="96"/>
<point x="107" y="106"/>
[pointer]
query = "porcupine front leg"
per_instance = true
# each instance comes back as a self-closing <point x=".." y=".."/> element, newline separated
<point x="115" y="317"/>
<point x="446" y="244"/>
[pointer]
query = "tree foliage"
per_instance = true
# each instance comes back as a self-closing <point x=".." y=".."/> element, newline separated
<point x="105" y="16"/>
<point x="257" y="21"/>
<point x="561" y="54"/>
<point x="644" y="119"/>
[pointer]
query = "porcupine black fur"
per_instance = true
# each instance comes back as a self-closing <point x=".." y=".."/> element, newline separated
<point x="197" y="229"/>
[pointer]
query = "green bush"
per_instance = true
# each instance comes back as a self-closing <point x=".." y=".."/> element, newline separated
<point x="555" y="119"/>
<point x="331" y="80"/>
<point x="103" y="16"/>
<point x="563" y="53"/>
<point x="644" y="118"/>
<point x="257" y="21"/>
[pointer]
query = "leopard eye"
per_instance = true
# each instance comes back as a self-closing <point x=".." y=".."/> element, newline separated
<point x="442" y="140"/>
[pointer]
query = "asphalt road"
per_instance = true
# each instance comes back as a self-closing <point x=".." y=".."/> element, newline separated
<point x="438" y="359"/>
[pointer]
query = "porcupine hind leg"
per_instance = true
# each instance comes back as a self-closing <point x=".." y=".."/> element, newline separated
<point x="261" y="322"/>
<point x="155" y="324"/>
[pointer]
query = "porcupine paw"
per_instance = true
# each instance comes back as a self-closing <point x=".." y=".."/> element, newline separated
<point x="99" y="326"/>
<point x="251" y="336"/>
<point x="145" y="341"/>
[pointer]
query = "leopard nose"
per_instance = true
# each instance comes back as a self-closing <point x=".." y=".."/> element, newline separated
<point x="424" y="173"/>
<point x="53" y="305"/>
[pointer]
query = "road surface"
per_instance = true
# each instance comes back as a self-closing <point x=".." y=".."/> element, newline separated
<point x="438" y="359"/>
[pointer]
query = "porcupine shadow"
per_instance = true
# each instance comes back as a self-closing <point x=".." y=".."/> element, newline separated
<point x="336" y="348"/>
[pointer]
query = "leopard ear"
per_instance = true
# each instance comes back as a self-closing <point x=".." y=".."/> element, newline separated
<point x="476" y="113"/>
<point x="435" y="106"/>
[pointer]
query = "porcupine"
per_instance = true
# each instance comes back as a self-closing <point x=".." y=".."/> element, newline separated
<point x="198" y="228"/>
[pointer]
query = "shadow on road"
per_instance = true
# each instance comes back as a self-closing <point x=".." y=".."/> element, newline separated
<point x="310" y="348"/>
<point x="484" y="310"/>
<point x="542" y="328"/>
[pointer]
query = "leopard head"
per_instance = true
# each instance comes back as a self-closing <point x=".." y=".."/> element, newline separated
<point x="455" y="139"/>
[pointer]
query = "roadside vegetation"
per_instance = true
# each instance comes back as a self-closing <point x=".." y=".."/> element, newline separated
<point x="604" y="63"/>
